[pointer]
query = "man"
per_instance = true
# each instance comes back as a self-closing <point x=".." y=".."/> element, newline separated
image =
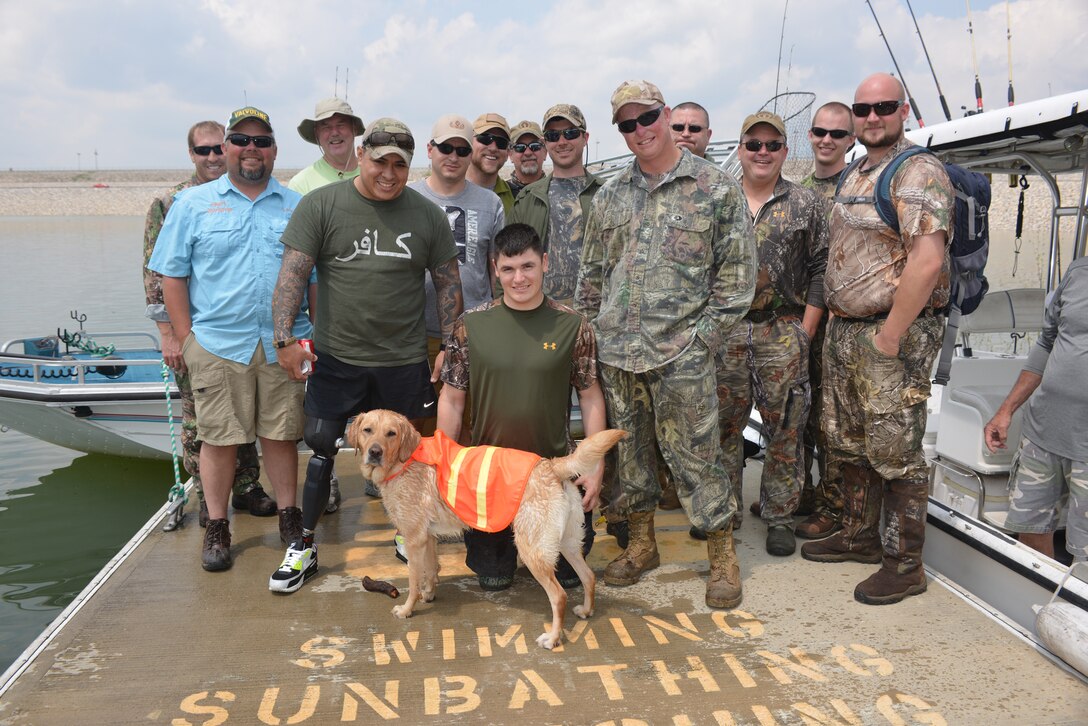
<point x="217" y="252"/>
<point x="371" y="241"/>
<point x="527" y="155"/>
<point x="333" y="128"/>
<point x="691" y="127"/>
<point x="490" y="148"/>
<point x="831" y="136"/>
<point x="520" y="356"/>
<point x="1052" y="463"/>
<point x="764" y="361"/>
<point x="885" y="291"/>
<point x="206" y="153"/>
<point x="668" y="266"/>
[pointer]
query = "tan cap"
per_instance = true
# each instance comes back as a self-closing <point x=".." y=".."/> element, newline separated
<point x="327" y="108"/>
<point x="523" y="128"/>
<point x="567" y="111"/>
<point x="394" y="137"/>
<point x="487" y="121"/>
<point x="451" y="126"/>
<point x="763" y="117"/>
<point x="643" y="93"/>
<point x="248" y="112"/>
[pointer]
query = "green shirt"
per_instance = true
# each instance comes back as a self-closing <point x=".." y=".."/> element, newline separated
<point x="371" y="257"/>
<point x="319" y="174"/>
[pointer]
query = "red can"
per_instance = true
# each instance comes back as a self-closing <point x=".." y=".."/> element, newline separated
<point x="308" y="346"/>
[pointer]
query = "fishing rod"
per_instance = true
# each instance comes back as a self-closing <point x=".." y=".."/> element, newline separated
<point x="974" y="60"/>
<point x="781" y="40"/>
<point x="940" y="93"/>
<point x="1008" y="37"/>
<point x="902" y="78"/>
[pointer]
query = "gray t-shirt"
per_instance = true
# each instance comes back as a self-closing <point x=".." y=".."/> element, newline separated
<point x="475" y="216"/>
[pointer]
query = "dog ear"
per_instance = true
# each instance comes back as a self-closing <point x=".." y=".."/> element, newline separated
<point x="352" y="436"/>
<point x="409" y="439"/>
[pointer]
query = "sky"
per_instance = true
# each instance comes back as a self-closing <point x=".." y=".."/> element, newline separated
<point x="126" y="78"/>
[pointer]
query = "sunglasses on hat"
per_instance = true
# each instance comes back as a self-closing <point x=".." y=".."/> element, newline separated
<point x="385" y="138"/>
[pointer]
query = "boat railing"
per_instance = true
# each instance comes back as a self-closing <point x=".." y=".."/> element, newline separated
<point x="40" y="369"/>
<point x="104" y="336"/>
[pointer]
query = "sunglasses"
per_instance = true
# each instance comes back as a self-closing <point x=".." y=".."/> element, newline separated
<point x="882" y="108"/>
<point x="243" y="140"/>
<point x="819" y="132"/>
<point x="206" y="150"/>
<point x="568" y="134"/>
<point x="385" y="138"/>
<point x="755" y="145"/>
<point x="693" y="128"/>
<point x="500" y="142"/>
<point x="448" y="149"/>
<point x="531" y="146"/>
<point x="647" y="119"/>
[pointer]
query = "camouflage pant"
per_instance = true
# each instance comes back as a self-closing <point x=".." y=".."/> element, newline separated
<point x="874" y="405"/>
<point x="675" y="405"/>
<point x="1041" y="483"/>
<point x="248" y="468"/>
<point x="765" y="364"/>
<point x="827" y="493"/>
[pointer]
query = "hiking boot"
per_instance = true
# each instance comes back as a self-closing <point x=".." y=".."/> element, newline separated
<point x="298" y="566"/>
<point x="619" y="530"/>
<point x="723" y="588"/>
<point x="640" y="554"/>
<point x="256" y="501"/>
<point x="696" y="533"/>
<point x="886" y="586"/>
<point x="202" y="517"/>
<point x="901" y="573"/>
<point x="216" y="554"/>
<point x="670" y="500"/>
<point x="400" y="551"/>
<point x="780" y="541"/>
<point x="817" y="526"/>
<point x="290" y="524"/>
<point x="334" y="495"/>
<point x="859" y="538"/>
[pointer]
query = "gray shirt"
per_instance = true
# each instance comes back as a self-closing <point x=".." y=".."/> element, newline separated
<point x="475" y="216"/>
<point x="1057" y="412"/>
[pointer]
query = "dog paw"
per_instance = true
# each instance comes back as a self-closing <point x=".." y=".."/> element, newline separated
<point x="547" y="641"/>
<point x="582" y="612"/>
<point x="402" y="611"/>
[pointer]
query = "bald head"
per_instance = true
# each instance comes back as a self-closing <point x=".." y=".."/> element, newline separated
<point x="882" y="103"/>
<point x="884" y="85"/>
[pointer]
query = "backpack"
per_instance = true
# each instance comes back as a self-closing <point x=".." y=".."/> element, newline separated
<point x="970" y="246"/>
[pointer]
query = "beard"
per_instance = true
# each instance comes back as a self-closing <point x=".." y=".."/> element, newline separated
<point x="254" y="175"/>
<point x="530" y="168"/>
<point x="886" y="138"/>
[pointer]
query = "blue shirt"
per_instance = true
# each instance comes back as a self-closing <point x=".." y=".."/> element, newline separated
<point x="229" y="247"/>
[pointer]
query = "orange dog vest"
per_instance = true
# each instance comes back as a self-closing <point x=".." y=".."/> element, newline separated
<point x="483" y="485"/>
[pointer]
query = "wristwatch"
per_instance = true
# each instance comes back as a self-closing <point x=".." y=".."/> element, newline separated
<point x="284" y="343"/>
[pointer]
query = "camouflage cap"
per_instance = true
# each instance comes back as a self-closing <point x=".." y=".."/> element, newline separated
<point x="249" y="112"/>
<point x="393" y="137"/>
<point x="488" y="121"/>
<point x="526" y="128"/>
<point x="567" y="111"/>
<point x="451" y="126"/>
<point x="327" y="108"/>
<point x="763" y="117"/>
<point x="643" y="93"/>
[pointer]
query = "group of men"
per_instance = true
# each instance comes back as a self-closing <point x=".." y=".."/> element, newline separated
<point x="671" y="299"/>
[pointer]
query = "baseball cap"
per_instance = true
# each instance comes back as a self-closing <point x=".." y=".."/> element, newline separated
<point x="567" y="111"/>
<point x="488" y="121"/>
<point x="763" y="117"/>
<point x="249" y="112"/>
<point x="451" y="126"/>
<point x="389" y="126"/>
<point x="327" y="108"/>
<point x="643" y="93"/>
<point x="521" y="128"/>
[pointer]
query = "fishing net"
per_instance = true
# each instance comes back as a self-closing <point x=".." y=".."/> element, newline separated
<point x="795" y="108"/>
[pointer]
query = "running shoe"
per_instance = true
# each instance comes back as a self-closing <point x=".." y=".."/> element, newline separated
<point x="399" y="549"/>
<point x="299" y="565"/>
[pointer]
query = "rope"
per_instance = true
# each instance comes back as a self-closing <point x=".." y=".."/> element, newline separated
<point x="177" y="497"/>
<point x="1019" y="224"/>
<point x="88" y="346"/>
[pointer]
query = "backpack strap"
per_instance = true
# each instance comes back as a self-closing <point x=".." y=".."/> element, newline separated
<point x="948" y="345"/>
<point x="884" y="206"/>
<point x="838" y="198"/>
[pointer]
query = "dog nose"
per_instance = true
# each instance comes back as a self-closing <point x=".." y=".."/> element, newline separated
<point x="374" y="454"/>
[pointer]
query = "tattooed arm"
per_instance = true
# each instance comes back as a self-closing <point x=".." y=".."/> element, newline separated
<point x="447" y="286"/>
<point x="286" y="301"/>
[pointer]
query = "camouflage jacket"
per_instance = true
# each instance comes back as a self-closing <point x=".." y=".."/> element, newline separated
<point x="825" y="187"/>
<point x="791" y="236"/>
<point x="662" y="266"/>
<point x="156" y="309"/>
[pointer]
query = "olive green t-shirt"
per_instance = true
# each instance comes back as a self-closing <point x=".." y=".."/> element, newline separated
<point x="370" y="258"/>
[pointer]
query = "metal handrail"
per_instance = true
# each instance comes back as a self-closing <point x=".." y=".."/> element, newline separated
<point x="104" y="335"/>
<point x="36" y="364"/>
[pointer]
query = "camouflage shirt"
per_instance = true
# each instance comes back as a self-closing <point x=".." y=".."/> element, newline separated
<point x="824" y="186"/>
<point x="661" y="267"/>
<point x="866" y="258"/>
<point x="565" y="235"/>
<point x="156" y="309"/>
<point x="791" y="236"/>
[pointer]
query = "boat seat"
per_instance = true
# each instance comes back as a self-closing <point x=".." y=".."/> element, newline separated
<point x="960" y="438"/>
<point x="1019" y="310"/>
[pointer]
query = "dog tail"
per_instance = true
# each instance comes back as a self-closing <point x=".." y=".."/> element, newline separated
<point x="589" y="452"/>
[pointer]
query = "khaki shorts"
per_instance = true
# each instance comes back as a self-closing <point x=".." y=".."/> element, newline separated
<point x="236" y="402"/>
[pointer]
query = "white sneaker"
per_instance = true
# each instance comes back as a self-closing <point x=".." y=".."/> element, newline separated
<point x="299" y="565"/>
<point x="399" y="549"/>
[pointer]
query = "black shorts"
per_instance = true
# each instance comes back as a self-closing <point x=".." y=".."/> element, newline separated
<point x="337" y="390"/>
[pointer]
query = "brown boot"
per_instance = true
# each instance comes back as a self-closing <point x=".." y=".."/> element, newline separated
<point x="641" y="553"/>
<point x="901" y="573"/>
<point x="859" y="538"/>
<point x="669" y="498"/>
<point x="215" y="556"/>
<point x="290" y="525"/>
<point x="817" y="526"/>
<point x="723" y="589"/>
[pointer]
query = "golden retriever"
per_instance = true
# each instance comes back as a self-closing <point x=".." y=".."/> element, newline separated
<point x="548" y="522"/>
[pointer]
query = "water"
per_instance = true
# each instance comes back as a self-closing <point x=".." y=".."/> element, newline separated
<point x="64" y="514"/>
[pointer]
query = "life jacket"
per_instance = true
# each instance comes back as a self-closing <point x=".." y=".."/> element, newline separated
<point x="483" y="485"/>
